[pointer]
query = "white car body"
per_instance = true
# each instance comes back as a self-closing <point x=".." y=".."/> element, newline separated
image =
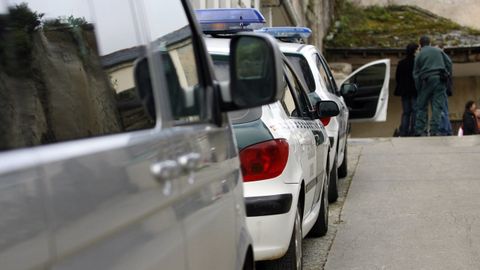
<point x="326" y="88"/>
<point x="304" y="176"/>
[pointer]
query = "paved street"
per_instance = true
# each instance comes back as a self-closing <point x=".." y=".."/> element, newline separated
<point x="412" y="203"/>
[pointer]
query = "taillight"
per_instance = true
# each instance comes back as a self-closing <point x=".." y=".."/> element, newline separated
<point x="264" y="160"/>
<point x="325" y="120"/>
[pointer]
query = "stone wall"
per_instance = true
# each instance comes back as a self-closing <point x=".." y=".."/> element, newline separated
<point x="317" y="15"/>
<point x="464" y="12"/>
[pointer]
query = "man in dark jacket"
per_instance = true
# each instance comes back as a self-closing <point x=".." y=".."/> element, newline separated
<point x="430" y="67"/>
<point x="407" y="90"/>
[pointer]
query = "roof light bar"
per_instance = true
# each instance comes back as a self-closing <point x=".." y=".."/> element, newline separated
<point x="287" y="33"/>
<point x="229" y="20"/>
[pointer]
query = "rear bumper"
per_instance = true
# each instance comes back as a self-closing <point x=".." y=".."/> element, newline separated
<point x="268" y="205"/>
<point x="271" y="207"/>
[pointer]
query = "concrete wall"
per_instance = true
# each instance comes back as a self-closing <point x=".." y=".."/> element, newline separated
<point x="464" y="12"/>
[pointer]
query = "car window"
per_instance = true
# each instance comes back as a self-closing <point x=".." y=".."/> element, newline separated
<point x="302" y="68"/>
<point x="74" y="69"/>
<point x="171" y="38"/>
<point x="295" y="87"/>
<point x="288" y="102"/>
<point x="221" y="66"/>
<point x="325" y="74"/>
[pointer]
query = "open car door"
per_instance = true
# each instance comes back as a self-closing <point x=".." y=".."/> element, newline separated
<point x="370" y="100"/>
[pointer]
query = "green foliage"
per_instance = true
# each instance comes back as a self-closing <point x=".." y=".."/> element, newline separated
<point x="16" y="38"/>
<point x="21" y="17"/>
<point x="390" y="26"/>
<point x="76" y="21"/>
<point x="69" y="21"/>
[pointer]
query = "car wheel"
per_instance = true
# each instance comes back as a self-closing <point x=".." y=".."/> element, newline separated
<point x="320" y="228"/>
<point x="333" y="184"/>
<point x="343" y="169"/>
<point x="293" y="259"/>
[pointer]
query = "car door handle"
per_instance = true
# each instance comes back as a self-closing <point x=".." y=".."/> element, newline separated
<point x="189" y="162"/>
<point x="165" y="170"/>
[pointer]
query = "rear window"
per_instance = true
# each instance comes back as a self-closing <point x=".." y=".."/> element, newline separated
<point x="221" y="67"/>
<point x="302" y="68"/>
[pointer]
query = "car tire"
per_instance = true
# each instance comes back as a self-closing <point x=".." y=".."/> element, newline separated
<point x="320" y="228"/>
<point x="333" y="184"/>
<point x="293" y="259"/>
<point x="249" y="263"/>
<point x="343" y="169"/>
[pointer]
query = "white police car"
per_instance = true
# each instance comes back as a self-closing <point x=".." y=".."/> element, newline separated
<point x="363" y="96"/>
<point x="284" y="151"/>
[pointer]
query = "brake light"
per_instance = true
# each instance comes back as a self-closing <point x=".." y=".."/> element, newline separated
<point x="325" y="120"/>
<point x="264" y="160"/>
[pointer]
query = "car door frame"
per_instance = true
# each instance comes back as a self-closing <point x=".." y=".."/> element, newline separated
<point x="317" y="180"/>
<point x="214" y="124"/>
<point x="380" y="114"/>
<point x="343" y="117"/>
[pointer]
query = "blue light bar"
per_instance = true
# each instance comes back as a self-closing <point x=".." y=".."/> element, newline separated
<point x="287" y="32"/>
<point x="229" y="20"/>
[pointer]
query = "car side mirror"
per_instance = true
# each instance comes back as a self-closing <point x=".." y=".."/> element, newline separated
<point x="327" y="108"/>
<point x="348" y="89"/>
<point x="256" y="71"/>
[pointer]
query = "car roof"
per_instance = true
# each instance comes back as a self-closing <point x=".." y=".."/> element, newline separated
<point x="221" y="45"/>
<point x="287" y="47"/>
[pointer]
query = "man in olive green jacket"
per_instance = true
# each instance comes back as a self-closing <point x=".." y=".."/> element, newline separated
<point x="432" y="66"/>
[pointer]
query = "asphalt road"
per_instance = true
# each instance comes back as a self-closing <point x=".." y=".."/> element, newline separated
<point x="411" y="203"/>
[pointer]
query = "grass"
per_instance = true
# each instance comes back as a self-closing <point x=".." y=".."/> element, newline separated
<point x="390" y="27"/>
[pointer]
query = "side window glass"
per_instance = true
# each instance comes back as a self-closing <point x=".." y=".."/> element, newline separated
<point x="66" y="72"/>
<point x="78" y="69"/>
<point x="294" y="84"/>
<point x="171" y="38"/>
<point x="371" y="78"/>
<point x="302" y="68"/>
<point x="324" y="75"/>
<point x="288" y="102"/>
<point x="330" y="75"/>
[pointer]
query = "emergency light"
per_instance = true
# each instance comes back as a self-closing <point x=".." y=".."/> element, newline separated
<point x="229" y="20"/>
<point x="287" y="33"/>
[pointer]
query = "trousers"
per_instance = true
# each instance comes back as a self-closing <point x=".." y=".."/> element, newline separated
<point x="446" y="125"/>
<point x="432" y="91"/>
<point x="407" y="126"/>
